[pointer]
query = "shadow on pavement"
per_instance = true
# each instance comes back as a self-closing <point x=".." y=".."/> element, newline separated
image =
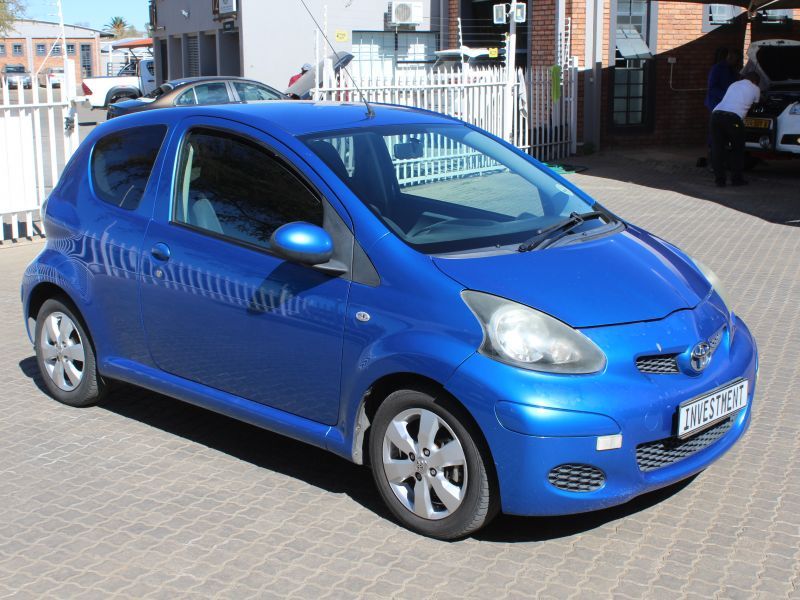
<point x="320" y="468"/>
<point x="508" y="528"/>
<point x="772" y="194"/>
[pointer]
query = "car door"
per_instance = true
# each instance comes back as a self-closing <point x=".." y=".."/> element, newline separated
<point x="147" y="76"/>
<point x="218" y="307"/>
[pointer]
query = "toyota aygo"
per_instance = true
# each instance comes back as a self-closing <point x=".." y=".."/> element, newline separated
<point x="394" y="286"/>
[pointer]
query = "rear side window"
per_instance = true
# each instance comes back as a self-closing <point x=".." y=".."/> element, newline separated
<point x="122" y="162"/>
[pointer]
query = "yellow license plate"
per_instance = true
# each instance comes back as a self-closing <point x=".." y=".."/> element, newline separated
<point x="757" y="123"/>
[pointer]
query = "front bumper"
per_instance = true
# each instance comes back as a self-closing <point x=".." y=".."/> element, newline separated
<point x="558" y="420"/>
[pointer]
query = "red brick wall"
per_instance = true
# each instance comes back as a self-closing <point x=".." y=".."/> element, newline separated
<point x="544" y="19"/>
<point x="453" y="13"/>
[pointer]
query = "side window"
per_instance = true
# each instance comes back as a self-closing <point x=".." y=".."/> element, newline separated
<point x="186" y="98"/>
<point x="212" y="93"/>
<point x="122" y="162"/>
<point x="233" y="187"/>
<point x="251" y="91"/>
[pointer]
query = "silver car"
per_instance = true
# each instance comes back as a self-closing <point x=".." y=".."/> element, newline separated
<point x="15" y="75"/>
<point x="54" y="75"/>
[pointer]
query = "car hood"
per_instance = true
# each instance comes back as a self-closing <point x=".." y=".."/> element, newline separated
<point x="777" y="61"/>
<point x="626" y="277"/>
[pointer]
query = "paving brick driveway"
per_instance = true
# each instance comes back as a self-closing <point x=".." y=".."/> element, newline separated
<point x="148" y="497"/>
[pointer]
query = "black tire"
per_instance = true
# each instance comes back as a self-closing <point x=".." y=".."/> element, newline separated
<point x="480" y="500"/>
<point x="91" y="387"/>
<point x="118" y="97"/>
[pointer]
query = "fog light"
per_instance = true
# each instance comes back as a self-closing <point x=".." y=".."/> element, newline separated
<point x="609" y="442"/>
<point x="764" y="141"/>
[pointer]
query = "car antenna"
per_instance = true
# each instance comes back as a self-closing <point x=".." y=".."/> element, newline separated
<point x="370" y="112"/>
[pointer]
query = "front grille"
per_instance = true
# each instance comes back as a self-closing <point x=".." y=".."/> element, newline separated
<point x="577" y="478"/>
<point x="660" y="364"/>
<point x="661" y="453"/>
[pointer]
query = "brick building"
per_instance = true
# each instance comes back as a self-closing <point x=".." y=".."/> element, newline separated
<point x="644" y="63"/>
<point x="37" y="44"/>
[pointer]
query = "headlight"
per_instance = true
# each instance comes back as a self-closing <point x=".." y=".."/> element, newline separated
<point x="524" y="337"/>
<point x="795" y="109"/>
<point x="714" y="281"/>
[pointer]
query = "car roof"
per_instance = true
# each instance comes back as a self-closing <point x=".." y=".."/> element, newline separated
<point x="299" y="117"/>
<point x="189" y="80"/>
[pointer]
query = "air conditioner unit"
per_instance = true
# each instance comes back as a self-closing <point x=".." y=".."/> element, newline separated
<point x="406" y="13"/>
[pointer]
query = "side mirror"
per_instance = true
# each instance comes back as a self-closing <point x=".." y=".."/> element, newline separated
<point x="302" y="243"/>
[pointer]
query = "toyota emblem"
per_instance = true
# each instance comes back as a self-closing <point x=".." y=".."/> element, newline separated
<point x="701" y="356"/>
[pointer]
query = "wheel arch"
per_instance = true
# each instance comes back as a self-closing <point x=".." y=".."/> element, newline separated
<point x="382" y="387"/>
<point x="121" y="89"/>
<point x="41" y="293"/>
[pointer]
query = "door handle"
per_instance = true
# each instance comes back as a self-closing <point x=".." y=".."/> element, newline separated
<point x="160" y="251"/>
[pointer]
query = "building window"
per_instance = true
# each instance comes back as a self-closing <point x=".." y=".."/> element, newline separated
<point x="632" y="66"/>
<point x="2" y="49"/>
<point x="382" y="53"/>
<point x="778" y="16"/>
<point x="716" y="15"/>
<point x="71" y="49"/>
<point x="56" y="51"/>
<point x="86" y="60"/>
<point x="40" y="50"/>
<point x="16" y="50"/>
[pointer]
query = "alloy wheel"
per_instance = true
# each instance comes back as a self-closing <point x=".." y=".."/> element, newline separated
<point x="62" y="351"/>
<point x="424" y="463"/>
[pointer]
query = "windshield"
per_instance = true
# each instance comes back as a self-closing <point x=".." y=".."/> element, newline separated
<point x="447" y="188"/>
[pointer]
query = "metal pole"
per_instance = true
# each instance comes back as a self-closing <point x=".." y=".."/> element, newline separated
<point x="511" y="55"/>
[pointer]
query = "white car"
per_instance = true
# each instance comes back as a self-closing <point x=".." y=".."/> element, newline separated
<point x="773" y="125"/>
<point x="133" y="80"/>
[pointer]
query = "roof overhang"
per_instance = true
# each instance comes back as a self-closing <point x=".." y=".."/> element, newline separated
<point x="751" y="6"/>
<point x="130" y="44"/>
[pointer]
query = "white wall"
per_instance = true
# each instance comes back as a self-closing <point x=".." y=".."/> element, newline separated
<point x="278" y="36"/>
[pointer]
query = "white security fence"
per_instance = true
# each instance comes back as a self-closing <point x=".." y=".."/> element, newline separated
<point x="38" y="134"/>
<point x="542" y="101"/>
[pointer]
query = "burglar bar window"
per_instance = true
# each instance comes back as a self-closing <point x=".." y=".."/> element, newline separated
<point x="629" y="101"/>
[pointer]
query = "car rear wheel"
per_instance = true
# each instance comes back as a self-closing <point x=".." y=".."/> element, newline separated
<point x="428" y="466"/>
<point x="65" y="356"/>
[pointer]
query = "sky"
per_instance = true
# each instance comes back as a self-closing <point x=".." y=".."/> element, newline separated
<point x="94" y="13"/>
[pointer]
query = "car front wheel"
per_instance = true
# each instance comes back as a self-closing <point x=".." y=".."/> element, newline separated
<point x="428" y="466"/>
<point x="65" y="356"/>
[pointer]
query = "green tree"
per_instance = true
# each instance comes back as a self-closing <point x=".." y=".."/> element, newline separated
<point x="10" y="11"/>
<point x="117" y="25"/>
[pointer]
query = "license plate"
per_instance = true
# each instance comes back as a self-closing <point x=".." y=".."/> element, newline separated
<point x="757" y="123"/>
<point x="701" y="413"/>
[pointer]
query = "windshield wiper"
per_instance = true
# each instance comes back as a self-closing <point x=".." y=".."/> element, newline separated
<point x="550" y="234"/>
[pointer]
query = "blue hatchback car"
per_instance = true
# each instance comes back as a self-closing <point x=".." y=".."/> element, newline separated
<point x="400" y="288"/>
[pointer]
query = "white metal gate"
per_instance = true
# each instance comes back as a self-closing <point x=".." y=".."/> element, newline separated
<point x="38" y="134"/>
<point x="543" y="101"/>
